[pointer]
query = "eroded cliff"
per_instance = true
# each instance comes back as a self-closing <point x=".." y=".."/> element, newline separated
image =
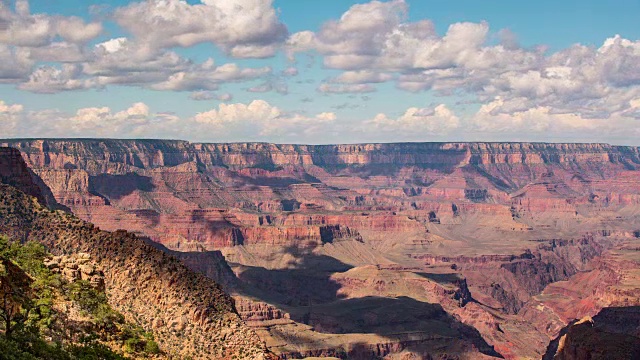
<point x="508" y="238"/>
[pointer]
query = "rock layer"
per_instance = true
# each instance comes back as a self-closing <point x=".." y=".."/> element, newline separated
<point x="512" y="239"/>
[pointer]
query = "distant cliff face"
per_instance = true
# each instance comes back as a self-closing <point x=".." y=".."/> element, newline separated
<point x="193" y="187"/>
<point x="93" y="155"/>
<point x="511" y="219"/>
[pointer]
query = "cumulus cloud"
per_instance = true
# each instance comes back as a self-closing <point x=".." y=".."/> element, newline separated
<point x="122" y="61"/>
<point x="590" y="90"/>
<point x="374" y="42"/>
<point x="275" y="84"/>
<point x="21" y="28"/>
<point x="119" y="61"/>
<point x="15" y="63"/>
<point x="416" y="122"/>
<point x="26" y="39"/>
<point x="208" y="76"/>
<point x="244" y="28"/>
<point x="48" y="79"/>
<point x="103" y="121"/>
<point x="256" y="111"/>
<point x="60" y="52"/>
<point x="10" y="109"/>
<point x="134" y="121"/>
<point x="511" y="117"/>
<point x="361" y="77"/>
<point x="9" y="118"/>
<point x="260" y="119"/>
<point x="227" y="122"/>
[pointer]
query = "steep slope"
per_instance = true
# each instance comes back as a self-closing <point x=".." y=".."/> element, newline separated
<point x="14" y="172"/>
<point x="613" y="334"/>
<point x="56" y="308"/>
<point x="189" y="314"/>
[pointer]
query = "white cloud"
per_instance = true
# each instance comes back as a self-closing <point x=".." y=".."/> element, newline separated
<point x="60" y="52"/>
<point x="9" y="118"/>
<point x="516" y="117"/>
<point x="122" y="61"/>
<point x="119" y="61"/>
<point x="259" y="120"/>
<point x="208" y="76"/>
<point x="349" y="88"/>
<point x="24" y="29"/>
<point x="15" y="63"/>
<point x="137" y="120"/>
<point x="243" y="28"/>
<point x="208" y="95"/>
<point x="75" y="30"/>
<point x="414" y="122"/>
<point x="103" y="121"/>
<point x="361" y="77"/>
<point x="48" y="79"/>
<point x="10" y="109"/>
<point x="227" y="122"/>
<point x="373" y="42"/>
<point x="256" y="111"/>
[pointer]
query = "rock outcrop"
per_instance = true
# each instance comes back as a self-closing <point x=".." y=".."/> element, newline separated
<point x="77" y="267"/>
<point x="613" y="334"/>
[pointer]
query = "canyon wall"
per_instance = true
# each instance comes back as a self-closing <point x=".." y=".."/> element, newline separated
<point x="514" y="240"/>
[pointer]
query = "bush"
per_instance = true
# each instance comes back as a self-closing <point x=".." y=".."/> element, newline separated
<point x="94" y="351"/>
<point x="152" y="347"/>
<point x="134" y="345"/>
<point x="106" y="318"/>
<point x="32" y="318"/>
<point x="83" y="294"/>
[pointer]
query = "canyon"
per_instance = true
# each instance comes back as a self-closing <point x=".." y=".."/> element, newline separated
<point x="361" y="251"/>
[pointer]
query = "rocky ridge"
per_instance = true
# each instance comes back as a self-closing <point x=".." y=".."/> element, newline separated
<point x="189" y="314"/>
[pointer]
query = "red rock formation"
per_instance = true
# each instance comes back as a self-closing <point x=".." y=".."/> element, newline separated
<point x="612" y="334"/>
<point x="512" y="219"/>
<point x="14" y="172"/>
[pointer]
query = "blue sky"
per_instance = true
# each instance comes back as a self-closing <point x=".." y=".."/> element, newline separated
<point x="304" y="71"/>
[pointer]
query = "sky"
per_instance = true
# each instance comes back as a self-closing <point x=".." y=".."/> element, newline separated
<point x="317" y="72"/>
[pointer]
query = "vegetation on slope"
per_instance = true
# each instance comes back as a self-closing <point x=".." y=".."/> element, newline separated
<point x="189" y="314"/>
<point x="43" y="315"/>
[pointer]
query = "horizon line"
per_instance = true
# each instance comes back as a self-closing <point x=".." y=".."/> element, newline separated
<point x="304" y="144"/>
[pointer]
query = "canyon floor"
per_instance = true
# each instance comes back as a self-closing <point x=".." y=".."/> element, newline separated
<point x="394" y="251"/>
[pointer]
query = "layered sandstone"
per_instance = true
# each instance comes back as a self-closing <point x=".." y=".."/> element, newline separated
<point x="522" y="234"/>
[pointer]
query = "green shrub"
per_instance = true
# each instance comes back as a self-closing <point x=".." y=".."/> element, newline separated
<point x="151" y="347"/>
<point x="83" y="294"/>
